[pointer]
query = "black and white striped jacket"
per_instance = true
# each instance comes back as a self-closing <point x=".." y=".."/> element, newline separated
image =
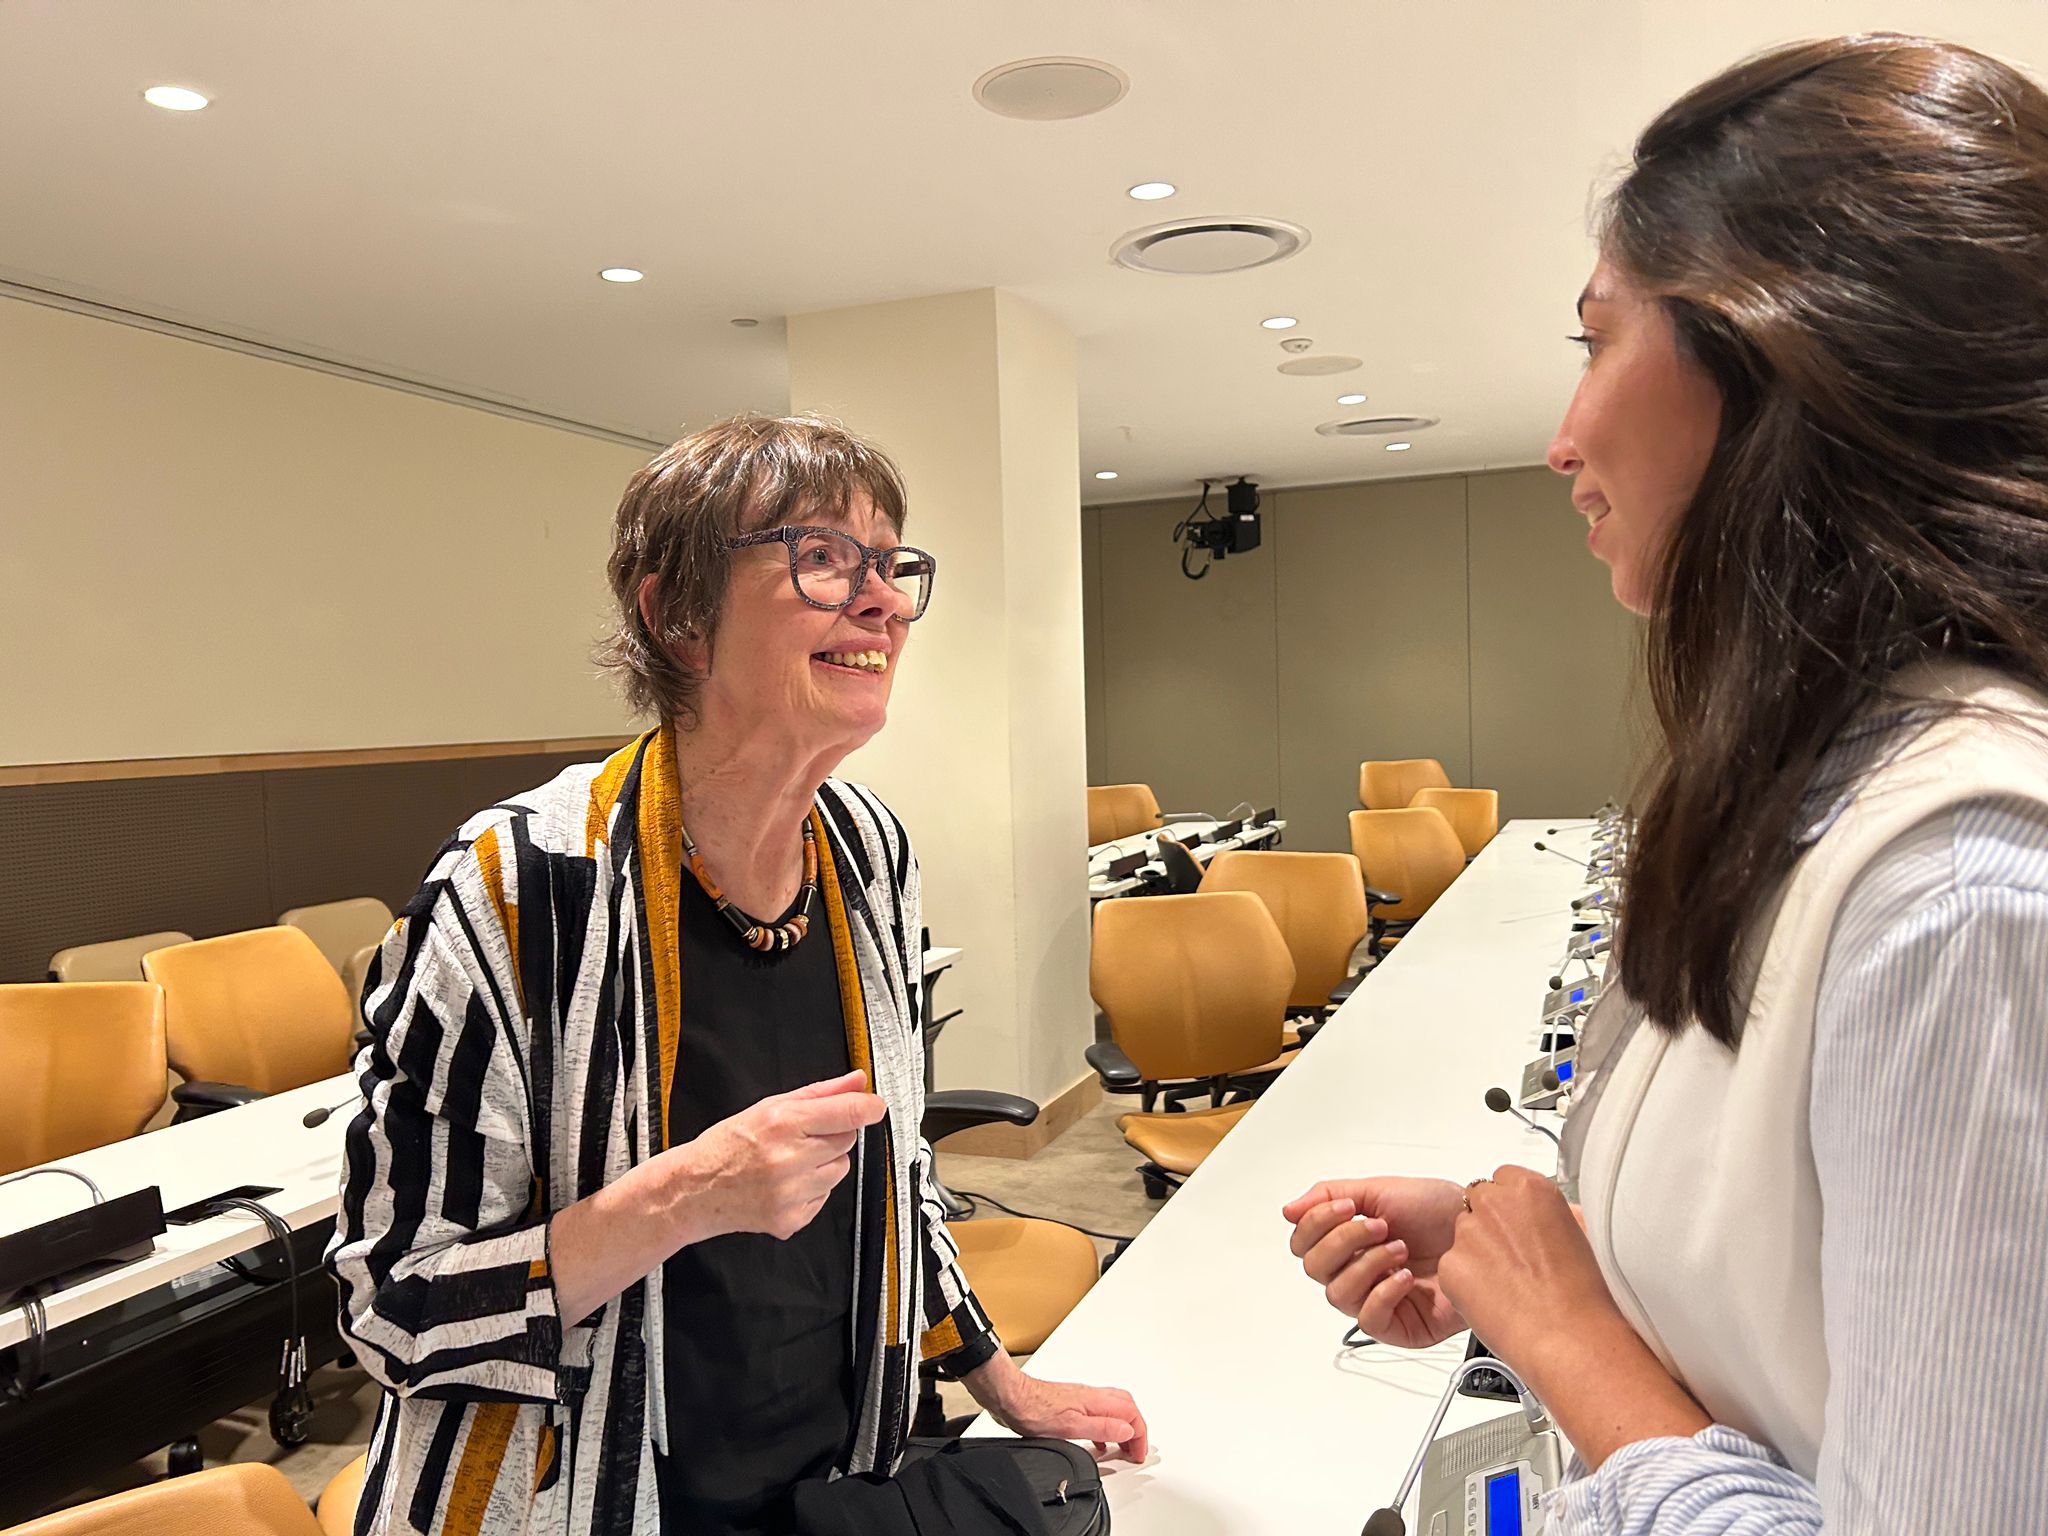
<point x="523" y="1022"/>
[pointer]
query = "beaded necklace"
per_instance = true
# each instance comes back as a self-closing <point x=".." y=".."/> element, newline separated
<point x="759" y="935"/>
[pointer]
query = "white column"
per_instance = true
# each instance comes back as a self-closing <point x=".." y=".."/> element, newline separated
<point x="984" y="756"/>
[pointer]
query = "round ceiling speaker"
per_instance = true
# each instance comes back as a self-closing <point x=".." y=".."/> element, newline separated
<point x="1376" y="426"/>
<point x="1203" y="247"/>
<point x="1051" y="89"/>
<point x="1317" y="367"/>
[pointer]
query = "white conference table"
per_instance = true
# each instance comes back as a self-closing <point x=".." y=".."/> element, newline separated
<point x="265" y="1143"/>
<point x="1260" y="1421"/>
<point x="1101" y="888"/>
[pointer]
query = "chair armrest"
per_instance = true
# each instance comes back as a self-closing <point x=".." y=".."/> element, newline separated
<point x="208" y="1098"/>
<point x="960" y="1109"/>
<point x="1111" y="1065"/>
<point x="1379" y="898"/>
<point x="1344" y="989"/>
<point x="1308" y="1029"/>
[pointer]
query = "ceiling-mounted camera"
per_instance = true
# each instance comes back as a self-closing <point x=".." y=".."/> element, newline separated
<point x="1235" y="531"/>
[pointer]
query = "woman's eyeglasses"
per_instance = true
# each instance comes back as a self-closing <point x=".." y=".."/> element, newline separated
<point x="828" y="568"/>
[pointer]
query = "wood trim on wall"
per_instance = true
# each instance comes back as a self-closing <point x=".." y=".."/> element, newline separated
<point x="260" y="762"/>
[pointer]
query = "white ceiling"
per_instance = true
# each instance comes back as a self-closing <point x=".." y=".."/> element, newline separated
<point x="428" y="187"/>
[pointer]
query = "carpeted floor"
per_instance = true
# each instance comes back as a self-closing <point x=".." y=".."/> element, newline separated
<point x="1087" y="1177"/>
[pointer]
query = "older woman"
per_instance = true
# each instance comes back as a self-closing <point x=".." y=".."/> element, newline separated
<point x="1811" y="1135"/>
<point x="638" y="1230"/>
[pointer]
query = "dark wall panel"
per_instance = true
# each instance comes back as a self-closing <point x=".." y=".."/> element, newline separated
<point x="216" y="853"/>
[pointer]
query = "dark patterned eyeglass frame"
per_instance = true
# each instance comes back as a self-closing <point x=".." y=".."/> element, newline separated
<point x="791" y="535"/>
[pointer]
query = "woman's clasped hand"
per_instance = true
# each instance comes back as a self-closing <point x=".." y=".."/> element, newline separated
<point x="1415" y="1261"/>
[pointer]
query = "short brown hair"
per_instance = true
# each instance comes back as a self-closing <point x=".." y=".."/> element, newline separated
<point x="701" y="491"/>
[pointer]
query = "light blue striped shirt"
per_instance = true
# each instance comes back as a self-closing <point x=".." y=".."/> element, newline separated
<point x="1929" y="1117"/>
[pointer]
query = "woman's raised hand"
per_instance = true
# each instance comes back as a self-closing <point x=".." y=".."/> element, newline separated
<point x="770" y="1167"/>
<point x="1373" y="1246"/>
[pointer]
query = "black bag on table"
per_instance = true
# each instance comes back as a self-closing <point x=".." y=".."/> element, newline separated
<point x="988" y="1487"/>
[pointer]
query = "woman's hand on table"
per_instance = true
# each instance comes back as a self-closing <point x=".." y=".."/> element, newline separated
<point x="770" y="1167"/>
<point x="1374" y="1246"/>
<point x="1105" y="1418"/>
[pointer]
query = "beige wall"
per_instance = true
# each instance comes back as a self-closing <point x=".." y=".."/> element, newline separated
<point x="208" y="553"/>
<point x="984" y="757"/>
<point x="1458" y="617"/>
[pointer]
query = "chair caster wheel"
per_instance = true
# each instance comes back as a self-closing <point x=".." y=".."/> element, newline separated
<point x="185" y="1458"/>
<point x="1155" y="1189"/>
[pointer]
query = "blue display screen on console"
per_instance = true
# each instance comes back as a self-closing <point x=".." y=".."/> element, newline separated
<point x="1564" y="1071"/>
<point x="1504" y="1504"/>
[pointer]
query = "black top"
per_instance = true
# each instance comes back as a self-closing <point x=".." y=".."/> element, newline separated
<point x="759" y="1332"/>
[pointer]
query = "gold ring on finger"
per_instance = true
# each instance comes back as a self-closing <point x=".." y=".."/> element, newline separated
<point x="1466" y="1196"/>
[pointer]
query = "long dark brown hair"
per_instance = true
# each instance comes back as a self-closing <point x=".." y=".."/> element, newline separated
<point x="1851" y="236"/>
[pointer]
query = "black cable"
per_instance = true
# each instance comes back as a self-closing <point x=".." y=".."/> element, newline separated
<point x="1356" y="1337"/>
<point x="29" y="1362"/>
<point x="293" y="1405"/>
<point x="971" y="1197"/>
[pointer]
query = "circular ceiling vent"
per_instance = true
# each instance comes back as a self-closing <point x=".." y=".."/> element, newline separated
<point x="1048" y="90"/>
<point x="1316" y="367"/>
<point x="1376" y="426"/>
<point x="1207" y="246"/>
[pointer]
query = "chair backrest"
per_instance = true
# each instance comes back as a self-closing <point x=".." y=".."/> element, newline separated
<point x="114" y="960"/>
<point x="244" y="1498"/>
<point x="262" y="1009"/>
<point x="341" y="928"/>
<point x="1118" y="810"/>
<point x="336" y="1510"/>
<point x="83" y="1065"/>
<point x="1474" y="814"/>
<point x="1318" y="902"/>
<point x="354" y="973"/>
<point x="1194" y="986"/>
<point x="1391" y="785"/>
<point x="1412" y="853"/>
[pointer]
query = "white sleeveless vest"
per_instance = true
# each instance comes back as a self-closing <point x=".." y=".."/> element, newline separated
<point x="1697" y="1175"/>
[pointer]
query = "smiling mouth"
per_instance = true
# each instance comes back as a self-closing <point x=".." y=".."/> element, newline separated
<point x="871" y="662"/>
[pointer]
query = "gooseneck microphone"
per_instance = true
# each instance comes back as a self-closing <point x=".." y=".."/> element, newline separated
<point x="319" y="1117"/>
<point x="1559" y="853"/>
<point x="1500" y="1103"/>
<point x="1388" y="1521"/>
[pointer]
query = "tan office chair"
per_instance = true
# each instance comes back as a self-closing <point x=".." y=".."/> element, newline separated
<point x="355" y="975"/>
<point x="83" y="1065"/>
<point x="336" y="1510"/>
<point x="1474" y="814"/>
<point x="1412" y="855"/>
<point x="1120" y="810"/>
<point x="1028" y="1274"/>
<point x="246" y="1498"/>
<point x="113" y="960"/>
<point x="1318" y="902"/>
<point x="341" y="928"/>
<point x="1195" y="989"/>
<point x="250" y="1013"/>
<point x="1391" y="785"/>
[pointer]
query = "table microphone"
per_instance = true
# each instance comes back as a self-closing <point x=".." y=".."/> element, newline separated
<point x="1500" y="1103"/>
<point x="1388" y="1521"/>
<point x="319" y="1117"/>
<point x="1559" y="853"/>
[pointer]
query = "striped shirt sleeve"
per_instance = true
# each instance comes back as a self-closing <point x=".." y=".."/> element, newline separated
<point x="440" y="1248"/>
<point x="1930" y="1135"/>
<point x="956" y="1332"/>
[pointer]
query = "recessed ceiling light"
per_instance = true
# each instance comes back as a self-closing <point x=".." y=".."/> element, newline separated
<point x="1105" y="474"/>
<point x="1152" y="191"/>
<point x="174" y="98"/>
<point x="1351" y="399"/>
<point x="1399" y="447"/>
<point x="1280" y="323"/>
<point x="622" y="274"/>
